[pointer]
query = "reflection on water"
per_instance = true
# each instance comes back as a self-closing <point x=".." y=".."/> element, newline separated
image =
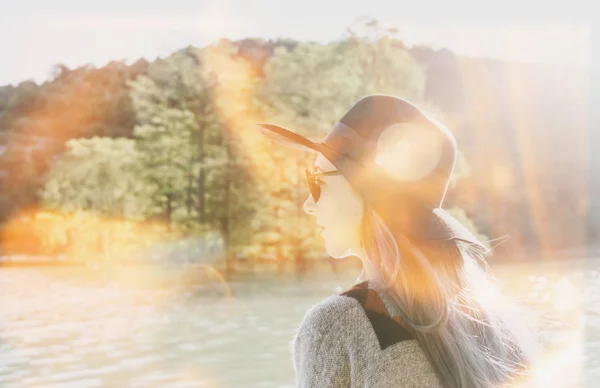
<point x="75" y="327"/>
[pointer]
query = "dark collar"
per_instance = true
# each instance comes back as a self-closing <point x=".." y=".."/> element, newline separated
<point x="389" y="330"/>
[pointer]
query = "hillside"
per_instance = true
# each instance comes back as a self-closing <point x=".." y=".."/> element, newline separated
<point x="523" y="129"/>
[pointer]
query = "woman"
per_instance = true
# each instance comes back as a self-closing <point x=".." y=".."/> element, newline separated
<point x="425" y="314"/>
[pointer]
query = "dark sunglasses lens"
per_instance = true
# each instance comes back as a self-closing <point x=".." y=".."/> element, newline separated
<point x="315" y="190"/>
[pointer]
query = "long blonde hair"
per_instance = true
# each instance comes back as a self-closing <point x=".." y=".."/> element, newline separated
<point x="445" y="294"/>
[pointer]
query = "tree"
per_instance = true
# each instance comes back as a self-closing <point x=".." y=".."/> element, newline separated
<point x="238" y="177"/>
<point x="173" y="114"/>
<point x="387" y="66"/>
<point x="100" y="175"/>
<point x="36" y="120"/>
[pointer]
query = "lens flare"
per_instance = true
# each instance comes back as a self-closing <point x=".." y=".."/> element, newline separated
<point x="408" y="152"/>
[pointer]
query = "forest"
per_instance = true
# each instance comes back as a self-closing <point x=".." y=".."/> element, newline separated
<point x="97" y="162"/>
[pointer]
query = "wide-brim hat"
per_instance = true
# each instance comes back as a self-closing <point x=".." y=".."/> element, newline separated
<point x="398" y="158"/>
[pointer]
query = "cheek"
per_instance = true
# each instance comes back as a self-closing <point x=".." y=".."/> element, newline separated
<point x="342" y="237"/>
<point x="343" y="215"/>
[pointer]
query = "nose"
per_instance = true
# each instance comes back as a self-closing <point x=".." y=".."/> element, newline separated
<point x="309" y="205"/>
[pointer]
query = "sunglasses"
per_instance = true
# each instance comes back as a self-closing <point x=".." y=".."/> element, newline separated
<point x="313" y="182"/>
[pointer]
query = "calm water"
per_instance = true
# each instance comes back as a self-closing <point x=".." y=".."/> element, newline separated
<point x="159" y="328"/>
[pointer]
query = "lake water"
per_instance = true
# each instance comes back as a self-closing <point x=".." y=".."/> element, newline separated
<point x="155" y="327"/>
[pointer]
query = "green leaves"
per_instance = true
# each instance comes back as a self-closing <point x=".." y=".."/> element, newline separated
<point x="198" y="162"/>
<point x="98" y="175"/>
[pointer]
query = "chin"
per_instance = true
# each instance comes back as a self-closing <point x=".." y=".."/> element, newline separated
<point x="338" y="252"/>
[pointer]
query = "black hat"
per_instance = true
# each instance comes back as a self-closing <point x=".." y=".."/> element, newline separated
<point x="398" y="158"/>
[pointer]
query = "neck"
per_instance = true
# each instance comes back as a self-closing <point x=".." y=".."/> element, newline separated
<point x="367" y="270"/>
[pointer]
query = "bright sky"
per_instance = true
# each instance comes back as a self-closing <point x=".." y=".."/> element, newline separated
<point x="35" y="35"/>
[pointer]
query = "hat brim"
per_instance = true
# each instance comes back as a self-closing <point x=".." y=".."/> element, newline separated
<point x="289" y="138"/>
<point x="455" y="229"/>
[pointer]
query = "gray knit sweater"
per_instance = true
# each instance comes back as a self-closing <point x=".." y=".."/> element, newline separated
<point x="355" y="340"/>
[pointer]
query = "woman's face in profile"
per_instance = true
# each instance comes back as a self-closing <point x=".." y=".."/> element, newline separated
<point x="339" y="210"/>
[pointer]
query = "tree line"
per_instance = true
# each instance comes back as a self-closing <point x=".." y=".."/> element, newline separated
<point x="174" y="140"/>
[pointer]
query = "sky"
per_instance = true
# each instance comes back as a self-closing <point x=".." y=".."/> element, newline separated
<point x="36" y="35"/>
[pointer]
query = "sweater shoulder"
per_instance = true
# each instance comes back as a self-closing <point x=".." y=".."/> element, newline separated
<point x="332" y="311"/>
<point x="338" y="308"/>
